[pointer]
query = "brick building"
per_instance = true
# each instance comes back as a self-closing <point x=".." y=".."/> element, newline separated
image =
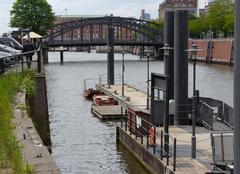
<point x="191" y="5"/>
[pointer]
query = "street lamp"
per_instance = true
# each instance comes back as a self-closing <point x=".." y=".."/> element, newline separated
<point x="193" y="51"/>
<point x="166" y="50"/>
<point x="123" y="69"/>
<point x="147" y="53"/>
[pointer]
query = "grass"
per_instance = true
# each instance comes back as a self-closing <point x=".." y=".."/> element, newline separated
<point x="10" y="156"/>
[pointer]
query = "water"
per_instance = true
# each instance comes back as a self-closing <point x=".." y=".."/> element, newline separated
<point x="83" y="143"/>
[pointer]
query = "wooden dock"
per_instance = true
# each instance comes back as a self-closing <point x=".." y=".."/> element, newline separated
<point x="136" y="99"/>
<point x="107" y="112"/>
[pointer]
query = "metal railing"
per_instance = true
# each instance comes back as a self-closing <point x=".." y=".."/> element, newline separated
<point x="8" y="62"/>
<point x="146" y="131"/>
<point x="103" y="79"/>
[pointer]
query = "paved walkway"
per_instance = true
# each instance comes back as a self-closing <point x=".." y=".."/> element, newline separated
<point x="33" y="150"/>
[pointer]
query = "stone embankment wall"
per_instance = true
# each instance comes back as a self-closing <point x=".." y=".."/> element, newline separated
<point x="214" y="50"/>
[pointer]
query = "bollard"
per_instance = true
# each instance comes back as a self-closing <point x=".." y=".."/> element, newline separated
<point x="141" y="139"/>
<point x="167" y="151"/>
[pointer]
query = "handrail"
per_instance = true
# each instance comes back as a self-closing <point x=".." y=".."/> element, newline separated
<point x="39" y="58"/>
<point x="134" y="127"/>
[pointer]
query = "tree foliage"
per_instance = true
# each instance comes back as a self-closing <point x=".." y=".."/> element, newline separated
<point x="219" y="19"/>
<point x="35" y="15"/>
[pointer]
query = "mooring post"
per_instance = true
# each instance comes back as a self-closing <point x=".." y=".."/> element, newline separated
<point x="169" y="39"/>
<point x="2" y="66"/>
<point x="237" y="89"/>
<point x="110" y="55"/>
<point x="180" y="66"/>
<point x="61" y="56"/>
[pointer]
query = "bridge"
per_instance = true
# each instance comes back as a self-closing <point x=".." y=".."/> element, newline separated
<point x="97" y="32"/>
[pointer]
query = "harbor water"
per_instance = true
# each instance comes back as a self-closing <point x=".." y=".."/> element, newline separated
<point x="82" y="143"/>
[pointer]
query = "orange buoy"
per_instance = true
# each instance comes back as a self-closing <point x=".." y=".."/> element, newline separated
<point x="152" y="135"/>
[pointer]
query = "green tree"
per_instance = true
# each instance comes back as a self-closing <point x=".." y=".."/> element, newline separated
<point x="36" y="15"/>
<point x="220" y="16"/>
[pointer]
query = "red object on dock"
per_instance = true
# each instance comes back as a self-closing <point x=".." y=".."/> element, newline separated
<point x="103" y="100"/>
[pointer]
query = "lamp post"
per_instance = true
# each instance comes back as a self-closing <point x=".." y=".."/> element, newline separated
<point x="147" y="52"/>
<point x="193" y="51"/>
<point x="123" y="69"/>
<point x="166" y="49"/>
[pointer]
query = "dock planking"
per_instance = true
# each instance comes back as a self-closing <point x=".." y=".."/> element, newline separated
<point x="107" y="112"/>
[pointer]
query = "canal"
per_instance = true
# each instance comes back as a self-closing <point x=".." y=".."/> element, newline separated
<point x="82" y="143"/>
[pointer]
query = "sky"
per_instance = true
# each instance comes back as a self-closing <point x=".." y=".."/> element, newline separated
<point x="124" y="8"/>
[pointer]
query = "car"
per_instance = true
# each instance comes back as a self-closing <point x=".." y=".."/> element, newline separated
<point x="11" y="42"/>
<point x="10" y="50"/>
<point x="7" y="60"/>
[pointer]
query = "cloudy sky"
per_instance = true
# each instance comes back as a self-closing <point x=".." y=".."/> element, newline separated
<point x="124" y="8"/>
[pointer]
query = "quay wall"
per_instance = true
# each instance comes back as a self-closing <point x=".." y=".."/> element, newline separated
<point x="151" y="162"/>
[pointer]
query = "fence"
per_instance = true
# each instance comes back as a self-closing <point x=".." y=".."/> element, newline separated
<point x="8" y="62"/>
<point x="143" y="129"/>
<point x="209" y="108"/>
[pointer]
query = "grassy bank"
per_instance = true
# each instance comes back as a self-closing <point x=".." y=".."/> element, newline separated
<point x="10" y="156"/>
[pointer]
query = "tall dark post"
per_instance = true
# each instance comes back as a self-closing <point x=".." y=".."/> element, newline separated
<point x="110" y="55"/>
<point x="180" y="66"/>
<point x="61" y="56"/>
<point x="237" y="89"/>
<point x="169" y="39"/>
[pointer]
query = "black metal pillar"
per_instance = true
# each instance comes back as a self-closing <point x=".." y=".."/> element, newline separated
<point x="180" y="66"/>
<point x="61" y="56"/>
<point x="237" y="89"/>
<point x="169" y="39"/>
<point x="110" y="56"/>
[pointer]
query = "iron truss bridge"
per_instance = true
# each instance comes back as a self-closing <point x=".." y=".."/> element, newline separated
<point x="94" y="32"/>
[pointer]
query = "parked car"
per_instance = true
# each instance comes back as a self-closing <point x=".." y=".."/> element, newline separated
<point x="9" y="41"/>
<point x="10" y="50"/>
<point x="7" y="61"/>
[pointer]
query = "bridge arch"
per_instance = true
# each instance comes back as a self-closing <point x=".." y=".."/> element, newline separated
<point x="92" y="31"/>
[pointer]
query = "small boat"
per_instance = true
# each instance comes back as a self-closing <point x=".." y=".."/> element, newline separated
<point x="90" y="92"/>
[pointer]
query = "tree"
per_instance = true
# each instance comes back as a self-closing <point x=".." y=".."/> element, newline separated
<point x="220" y="16"/>
<point x="35" y="15"/>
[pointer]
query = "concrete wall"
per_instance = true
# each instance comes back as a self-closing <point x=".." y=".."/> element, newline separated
<point x="151" y="162"/>
<point x="38" y="109"/>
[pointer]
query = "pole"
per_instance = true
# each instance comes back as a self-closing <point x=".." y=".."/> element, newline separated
<point x="180" y="66"/>
<point x="123" y="69"/>
<point x="237" y="89"/>
<point x="148" y="82"/>
<point x="194" y="110"/>
<point x="166" y="115"/>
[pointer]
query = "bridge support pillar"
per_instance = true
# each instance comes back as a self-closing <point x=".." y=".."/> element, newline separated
<point x="237" y="89"/>
<point x="181" y="66"/>
<point x="110" y="56"/>
<point x="61" y="56"/>
<point x="169" y="39"/>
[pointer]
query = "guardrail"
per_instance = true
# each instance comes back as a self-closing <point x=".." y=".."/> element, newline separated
<point x="6" y="62"/>
<point x="147" y="133"/>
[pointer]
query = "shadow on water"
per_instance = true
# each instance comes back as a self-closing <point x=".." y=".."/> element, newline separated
<point x="133" y="164"/>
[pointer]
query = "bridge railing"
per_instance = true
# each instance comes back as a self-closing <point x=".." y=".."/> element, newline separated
<point x="14" y="61"/>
